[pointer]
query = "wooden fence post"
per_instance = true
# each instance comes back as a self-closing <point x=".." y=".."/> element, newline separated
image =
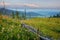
<point x="21" y="25"/>
<point x="38" y="38"/>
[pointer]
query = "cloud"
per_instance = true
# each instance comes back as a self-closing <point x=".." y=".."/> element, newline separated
<point x="32" y="5"/>
<point x="1" y="3"/>
<point x="49" y="5"/>
<point x="19" y="4"/>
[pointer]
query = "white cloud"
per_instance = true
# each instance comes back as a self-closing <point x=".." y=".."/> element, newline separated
<point x="33" y="5"/>
<point x="19" y="4"/>
<point x="1" y="3"/>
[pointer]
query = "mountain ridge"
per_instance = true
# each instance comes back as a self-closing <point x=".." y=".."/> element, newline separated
<point x="8" y="12"/>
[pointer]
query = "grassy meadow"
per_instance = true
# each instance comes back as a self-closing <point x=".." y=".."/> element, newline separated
<point x="49" y="27"/>
<point x="10" y="29"/>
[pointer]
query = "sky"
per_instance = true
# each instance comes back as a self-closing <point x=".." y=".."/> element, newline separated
<point x="50" y="4"/>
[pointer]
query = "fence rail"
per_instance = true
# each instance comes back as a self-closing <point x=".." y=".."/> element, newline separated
<point x="30" y="28"/>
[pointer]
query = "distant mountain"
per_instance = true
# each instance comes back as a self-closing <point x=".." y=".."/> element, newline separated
<point x="33" y="14"/>
<point x="5" y="11"/>
<point x="8" y="12"/>
<point x="48" y="13"/>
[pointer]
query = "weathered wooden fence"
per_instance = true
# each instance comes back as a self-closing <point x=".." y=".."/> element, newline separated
<point x="30" y="28"/>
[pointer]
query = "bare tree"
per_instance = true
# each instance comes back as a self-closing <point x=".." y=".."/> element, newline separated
<point x="4" y="11"/>
<point x="17" y="14"/>
<point x="25" y="13"/>
<point x="13" y="15"/>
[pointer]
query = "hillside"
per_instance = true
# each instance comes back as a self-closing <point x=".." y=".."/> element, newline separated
<point x="10" y="29"/>
<point x="9" y="12"/>
<point x="49" y="27"/>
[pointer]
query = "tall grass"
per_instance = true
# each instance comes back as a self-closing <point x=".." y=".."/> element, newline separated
<point x="49" y="27"/>
<point x="10" y="29"/>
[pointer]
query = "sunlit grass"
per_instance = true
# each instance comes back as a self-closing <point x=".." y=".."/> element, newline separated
<point x="10" y="29"/>
<point x="49" y="27"/>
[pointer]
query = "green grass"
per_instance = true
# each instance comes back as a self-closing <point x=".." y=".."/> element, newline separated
<point x="50" y="27"/>
<point x="10" y="29"/>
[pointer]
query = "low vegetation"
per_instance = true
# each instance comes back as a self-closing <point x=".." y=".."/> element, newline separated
<point x="49" y="27"/>
<point x="10" y="29"/>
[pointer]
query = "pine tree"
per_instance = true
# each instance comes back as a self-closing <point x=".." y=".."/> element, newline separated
<point x="56" y="16"/>
<point x="13" y="15"/>
<point x="0" y="15"/>
<point x="22" y="15"/>
<point x="25" y="14"/>
<point x="17" y="14"/>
